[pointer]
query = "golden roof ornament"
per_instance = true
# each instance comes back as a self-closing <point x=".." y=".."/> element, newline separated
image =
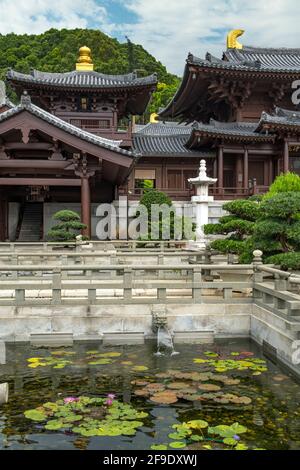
<point x="84" y="61"/>
<point x="232" y="42"/>
<point x="154" y="118"/>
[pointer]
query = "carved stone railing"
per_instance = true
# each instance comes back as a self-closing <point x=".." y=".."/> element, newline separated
<point x="99" y="284"/>
<point x="95" y="245"/>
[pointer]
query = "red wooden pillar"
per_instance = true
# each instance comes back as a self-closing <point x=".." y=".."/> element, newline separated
<point x="246" y="169"/>
<point x="86" y="205"/>
<point x="221" y="169"/>
<point x="286" y="163"/>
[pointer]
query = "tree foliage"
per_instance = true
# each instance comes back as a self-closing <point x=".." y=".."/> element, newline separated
<point x="238" y="226"/>
<point x="284" y="183"/>
<point x="168" y="223"/>
<point x="68" y="227"/>
<point x="270" y="224"/>
<point x="57" y="51"/>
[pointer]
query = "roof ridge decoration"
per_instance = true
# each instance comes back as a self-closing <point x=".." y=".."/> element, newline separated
<point x="85" y="62"/>
<point x="232" y="42"/>
<point x="275" y="50"/>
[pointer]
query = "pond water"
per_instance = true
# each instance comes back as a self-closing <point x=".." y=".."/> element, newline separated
<point x="135" y="400"/>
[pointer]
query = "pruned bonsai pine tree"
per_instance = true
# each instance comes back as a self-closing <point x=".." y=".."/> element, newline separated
<point x="68" y="228"/>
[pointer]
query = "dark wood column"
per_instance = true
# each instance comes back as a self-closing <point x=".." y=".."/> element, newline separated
<point x="271" y="171"/>
<point x="286" y="162"/>
<point x="246" y="169"/>
<point x="86" y="205"/>
<point x="221" y="168"/>
<point x="239" y="171"/>
<point x="3" y="218"/>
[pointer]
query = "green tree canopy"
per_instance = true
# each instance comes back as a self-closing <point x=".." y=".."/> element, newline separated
<point x="57" y="51"/>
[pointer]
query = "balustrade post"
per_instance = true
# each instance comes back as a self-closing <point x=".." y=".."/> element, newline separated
<point x="197" y="279"/>
<point x="14" y="262"/>
<point x="257" y="274"/>
<point x="56" y="286"/>
<point x="280" y="283"/>
<point x="20" y="296"/>
<point x="127" y="284"/>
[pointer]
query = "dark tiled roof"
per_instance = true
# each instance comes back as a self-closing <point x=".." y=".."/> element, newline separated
<point x="26" y="105"/>
<point x="77" y="79"/>
<point x="164" y="128"/>
<point x="159" y="146"/>
<point x="281" y="117"/>
<point x="244" y="64"/>
<point x="163" y="139"/>
<point x="286" y="59"/>
<point x="242" y="129"/>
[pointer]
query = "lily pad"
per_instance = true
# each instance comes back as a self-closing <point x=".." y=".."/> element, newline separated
<point x="159" y="447"/>
<point x="209" y="387"/>
<point x="99" y="362"/>
<point x="164" y="398"/>
<point x="54" y="425"/>
<point x="177" y="385"/>
<point x="177" y="445"/>
<point x="35" y="415"/>
<point x="140" y="368"/>
<point x="143" y="392"/>
<point x="197" y="424"/>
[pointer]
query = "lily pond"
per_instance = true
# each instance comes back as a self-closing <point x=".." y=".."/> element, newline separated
<point x="221" y="396"/>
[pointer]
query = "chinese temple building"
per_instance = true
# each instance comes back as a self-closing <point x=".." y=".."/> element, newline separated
<point x="72" y="141"/>
<point x="68" y="144"/>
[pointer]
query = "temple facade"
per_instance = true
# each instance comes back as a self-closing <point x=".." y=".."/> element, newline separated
<point x="72" y="141"/>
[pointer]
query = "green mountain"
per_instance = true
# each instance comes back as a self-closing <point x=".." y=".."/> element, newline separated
<point x="57" y="51"/>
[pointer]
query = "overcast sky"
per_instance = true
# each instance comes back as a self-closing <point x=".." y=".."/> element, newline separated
<point x="168" y="29"/>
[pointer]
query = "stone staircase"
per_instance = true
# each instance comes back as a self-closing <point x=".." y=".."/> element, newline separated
<point x="31" y="226"/>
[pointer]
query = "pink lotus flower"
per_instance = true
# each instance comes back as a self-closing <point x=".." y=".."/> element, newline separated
<point x="109" y="402"/>
<point x="111" y="396"/>
<point x="70" y="400"/>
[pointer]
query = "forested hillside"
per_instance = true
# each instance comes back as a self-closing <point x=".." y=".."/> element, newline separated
<point x="57" y="51"/>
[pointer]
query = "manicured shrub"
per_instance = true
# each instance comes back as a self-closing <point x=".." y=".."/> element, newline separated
<point x="289" y="182"/>
<point x="286" y="261"/>
<point x="68" y="228"/>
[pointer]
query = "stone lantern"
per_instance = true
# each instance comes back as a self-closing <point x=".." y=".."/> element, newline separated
<point x="200" y="202"/>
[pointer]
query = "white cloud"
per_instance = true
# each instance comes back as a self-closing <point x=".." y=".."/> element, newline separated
<point x="36" y="16"/>
<point x="169" y="29"/>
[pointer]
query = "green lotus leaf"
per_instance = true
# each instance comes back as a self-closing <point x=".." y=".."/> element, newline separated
<point x="177" y="445"/>
<point x="197" y="424"/>
<point x="100" y="362"/>
<point x="227" y="431"/>
<point x="140" y="368"/>
<point x="159" y="447"/>
<point x="35" y="415"/>
<point x="55" y="424"/>
<point x="235" y="354"/>
<point x="196" y="438"/>
<point x="177" y="435"/>
<point x="211" y="354"/>
<point x="230" y="441"/>
<point x="242" y="447"/>
<point x="110" y="354"/>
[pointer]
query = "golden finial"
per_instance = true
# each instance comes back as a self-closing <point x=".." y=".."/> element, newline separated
<point x="84" y="62"/>
<point x="232" y="42"/>
<point x="154" y="118"/>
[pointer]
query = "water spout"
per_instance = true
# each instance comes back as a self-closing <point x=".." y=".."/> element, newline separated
<point x="164" y="342"/>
